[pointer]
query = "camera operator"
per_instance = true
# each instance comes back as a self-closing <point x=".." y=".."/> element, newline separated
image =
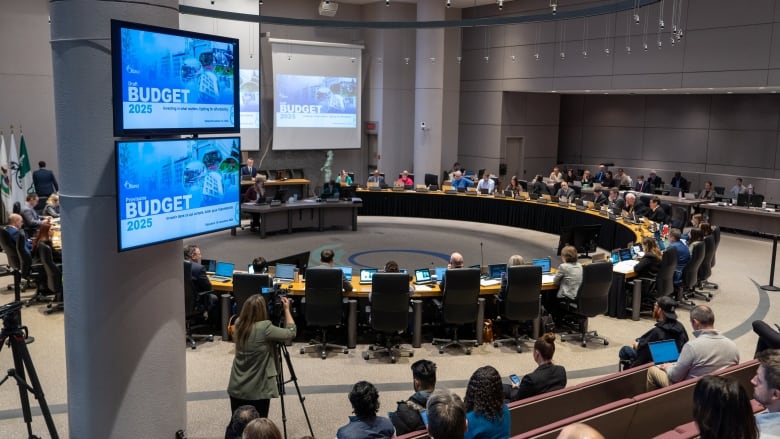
<point x="253" y="376"/>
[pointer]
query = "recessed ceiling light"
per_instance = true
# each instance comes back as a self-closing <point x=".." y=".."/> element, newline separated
<point x="729" y="92"/>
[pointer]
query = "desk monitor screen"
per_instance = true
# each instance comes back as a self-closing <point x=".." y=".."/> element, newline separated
<point x="347" y="272"/>
<point x="440" y="272"/>
<point x="422" y="276"/>
<point x="496" y="270"/>
<point x="545" y="263"/>
<point x="367" y="275"/>
<point x="664" y="351"/>
<point x="285" y="271"/>
<point x="615" y="256"/>
<point x="210" y="264"/>
<point x="224" y="269"/>
<point x="625" y="254"/>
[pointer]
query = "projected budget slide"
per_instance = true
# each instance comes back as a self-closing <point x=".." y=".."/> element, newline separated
<point x="176" y="81"/>
<point x="304" y="101"/>
<point x="172" y="189"/>
<point x="250" y="98"/>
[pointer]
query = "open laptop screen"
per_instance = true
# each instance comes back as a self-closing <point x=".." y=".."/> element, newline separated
<point x="285" y="271"/>
<point x="347" y="272"/>
<point x="496" y="270"/>
<point x="664" y="351"/>
<point x="224" y="269"/>
<point x="422" y="275"/>
<point x="625" y="254"/>
<point x="545" y="263"/>
<point x="367" y="275"/>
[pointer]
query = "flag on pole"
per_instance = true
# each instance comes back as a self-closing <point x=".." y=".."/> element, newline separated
<point x="25" y="170"/>
<point x="5" y="172"/>
<point x="19" y="176"/>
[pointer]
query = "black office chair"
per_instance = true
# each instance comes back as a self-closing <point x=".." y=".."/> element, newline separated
<point x="592" y="300"/>
<point x="689" y="275"/>
<point x="661" y="285"/>
<point x="679" y="217"/>
<point x="459" y="306"/>
<point x="323" y="307"/>
<point x="431" y="180"/>
<point x="194" y="308"/>
<point x="522" y="300"/>
<point x="9" y="248"/>
<point x="53" y="278"/>
<point x="389" y="314"/>
<point x="31" y="271"/>
<point x="705" y="269"/>
<point x="716" y="237"/>
<point x="246" y="285"/>
<point x="768" y="337"/>
<point x="17" y="207"/>
<point x="523" y="184"/>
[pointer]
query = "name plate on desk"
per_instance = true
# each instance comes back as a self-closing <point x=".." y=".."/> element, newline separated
<point x="541" y="200"/>
<point x="451" y="191"/>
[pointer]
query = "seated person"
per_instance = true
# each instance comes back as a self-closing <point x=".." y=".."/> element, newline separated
<point x="446" y="415"/>
<point x="514" y="185"/>
<point x="598" y="196"/>
<point x="568" y="279"/>
<point x="666" y="328"/>
<point x="259" y="265"/>
<point x="633" y="206"/>
<point x="623" y="179"/>
<point x="377" y="178"/>
<point x="707" y="193"/>
<point x="327" y="261"/>
<point x="514" y="261"/>
<point x="456" y="261"/>
<point x="586" y="180"/>
<point x="569" y="176"/>
<point x="330" y="190"/>
<point x="249" y="169"/>
<point x="768" y="337"/>
<point x="407" y="418"/>
<point x="608" y="180"/>
<point x="365" y="404"/>
<point x="545" y="378"/>
<point x="14" y="228"/>
<point x="52" y="208"/>
<point x="539" y="187"/>
<point x="404" y="179"/>
<point x="565" y="192"/>
<point x="344" y="179"/>
<point x="241" y="417"/>
<point x="614" y="201"/>
<point x="696" y="220"/>
<point x="643" y="185"/>
<point x="601" y="175"/>
<point x="486" y="413"/>
<point x="255" y="194"/>
<point x="44" y="235"/>
<point x="656" y="212"/>
<point x="486" y="183"/>
<point x="556" y="176"/>
<point x="30" y="216"/>
<point x="738" y="188"/>
<point x="458" y="181"/>
<point x="201" y="282"/>
<point x="650" y="263"/>
<point x="694" y="237"/>
<point x="679" y="181"/>
<point x="683" y="254"/>
<point x="654" y="179"/>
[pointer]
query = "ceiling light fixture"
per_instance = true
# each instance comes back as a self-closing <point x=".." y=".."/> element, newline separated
<point x="500" y="5"/>
<point x="449" y="3"/>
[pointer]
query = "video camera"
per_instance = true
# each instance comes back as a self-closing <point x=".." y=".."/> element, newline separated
<point x="273" y="303"/>
<point x="9" y="309"/>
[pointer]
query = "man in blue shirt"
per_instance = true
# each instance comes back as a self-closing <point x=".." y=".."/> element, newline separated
<point x="683" y="254"/>
<point x="459" y="181"/>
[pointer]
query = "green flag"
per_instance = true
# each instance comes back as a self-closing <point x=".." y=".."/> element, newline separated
<point x="25" y="172"/>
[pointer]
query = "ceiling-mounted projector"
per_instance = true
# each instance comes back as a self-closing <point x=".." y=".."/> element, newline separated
<point x="328" y="8"/>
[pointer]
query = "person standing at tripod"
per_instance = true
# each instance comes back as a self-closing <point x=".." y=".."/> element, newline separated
<point x="253" y="376"/>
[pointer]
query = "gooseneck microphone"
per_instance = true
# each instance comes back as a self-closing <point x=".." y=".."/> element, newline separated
<point x="482" y="258"/>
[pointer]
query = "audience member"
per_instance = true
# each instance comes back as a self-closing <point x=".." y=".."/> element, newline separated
<point x="405" y="179"/>
<point x="767" y="392"/>
<point x="565" y="192"/>
<point x="14" y="228"/>
<point x="587" y="179"/>
<point x="568" y="279"/>
<point x="259" y="265"/>
<point x="377" y="178"/>
<point x="52" y="208"/>
<point x="343" y="179"/>
<point x="486" y="183"/>
<point x="569" y="177"/>
<point x="261" y="428"/>
<point x="622" y="179"/>
<point x="654" y="179"/>
<point x="696" y="220"/>
<point x="643" y="185"/>
<point x="721" y="409"/>
<point x="545" y="378"/>
<point x="30" y="216"/>
<point x="708" y="352"/>
<point x="608" y="180"/>
<point x="514" y="185"/>
<point x="650" y="262"/>
<point x="241" y="417"/>
<point x="683" y="254"/>
<point x="446" y="415"/>
<point x="459" y="181"/>
<point x="695" y="237"/>
<point x="656" y="212"/>
<point x="556" y="176"/>
<point x="486" y="413"/>
<point x="666" y="328"/>
<point x="253" y="375"/>
<point x="601" y="175"/>
<point x="200" y="280"/>
<point x="365" y="424"/>
<point x="706" y="229"/>
<point x="579" y="431"/>
<point x="249" y="169"/>
<point x="707" y="193"/>
<point x="598" y="197"/>
<point x="614" y="202"/>
<point x="44" y="181"/>
<point x="539" y="187"/>
<point x="679" y="181"/>
<point x="407" y="416"/>
<point x="327" y="261"/>
<point x="738" y="188"/>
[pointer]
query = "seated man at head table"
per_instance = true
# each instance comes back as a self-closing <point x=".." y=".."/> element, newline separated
<point x="14" y="228"/>
<point x="377" y="178"/>
<point x="633" y="206"/>
<point x="327" y="261"/>
<point x="598" y="196"/>
<point x="654" y="179"/>
<point x="486" y="183"/>
<point x="566" y="192"/>
<point x="249" y="169"/>
<point x="656" y="212"/>
<point x="405" y="179"/>
<point x="614" y="201"/>
<point x="539" y="187"/>
<point x="458" y="181"/>
<point x="707" y="193"/>
<point x="30" y="216"/>
<point x="708" y="352"/>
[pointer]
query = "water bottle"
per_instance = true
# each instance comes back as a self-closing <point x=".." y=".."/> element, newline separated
<point x="665" y="233"/>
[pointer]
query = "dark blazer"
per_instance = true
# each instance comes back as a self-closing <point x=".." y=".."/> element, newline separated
<point x="45" y="183"/>
<point x="648" y="266"/>
<point x="663" y="330"/>
<point x="14" y="232"/>
<point x="545" y="378"/>
<point x="601" y="199"/>
<point x="200" y="281"/>
<point x="658" y="215"/>
<point x="246" y="171"/>
<point x="31" y="219"/>
<point x="645" y="187"/>
<point x="619" y="202"/>
<point x="680" y="182"/>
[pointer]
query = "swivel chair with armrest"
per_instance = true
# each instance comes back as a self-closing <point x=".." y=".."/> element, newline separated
<point x="689" y="275"/>
<point x="9" y="248"/>
<point x="194" y="308"/>
<point x="661" y="285"/>
<point x="522" y="301"/>
<point x="459" y="306"/>
<point x="53" y="278"/>
<point x="389" y="314"/>
<point x="323" y="308"/>
<point x="716" y="237"/>
<point x="705" y="269"/>
<point x="592" y="300"/>
<point x="246" y="285"/>
<point x="32" y="272"/>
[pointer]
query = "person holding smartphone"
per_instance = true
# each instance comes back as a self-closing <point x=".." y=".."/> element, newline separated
<point x="546" y="378"/>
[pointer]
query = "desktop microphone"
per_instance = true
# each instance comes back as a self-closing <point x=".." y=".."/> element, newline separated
<point x="482" y="258"/>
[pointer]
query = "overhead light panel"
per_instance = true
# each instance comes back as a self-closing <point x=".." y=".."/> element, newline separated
<point x="328" y="8"/>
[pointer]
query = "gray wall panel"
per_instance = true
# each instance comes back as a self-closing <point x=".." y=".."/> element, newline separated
<point x="572" y="110"/>
<point x="728" y="79"/>
<point x="678" y="111"/>
<point x="480" y="108"/>
<point x="520" y="85"/>
<point x="774" y="56"/>
<point x="583" y="83"/>
<point x="543" y="109"/>
<point x="619" y="143"/>
<point x="525" y="65"/>
<point x="745" y="112"/>
<point x="703" y="14"/>
<point x="647" y="82"/>
<point x="675" y="145"/>
<point x="615" y="110"/>
<point x="731" y="48"/>
<point x="749" y="174"/>
<point x="666" y="60"/>
<point x="742" y="148"/>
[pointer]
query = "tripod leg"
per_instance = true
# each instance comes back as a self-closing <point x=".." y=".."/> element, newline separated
<point x="23" y="360"/>
<point x="280" y="385"/>
<point x="294" y="379"/>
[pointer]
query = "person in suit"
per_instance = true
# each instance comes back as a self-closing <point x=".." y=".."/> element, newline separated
<point x="545" y="378"/>
<point x="539" y="188"/>
<point x="249" y="169"/>
<point x="199" y="278"/>
<point x="598" y="196"/>
<point x="614" y="201"/>
<point x="14" y="228"/>
<point x="654" y="179"/>
<point x="656" y="212"/>
<point x="667" y="327"/>
<point x="44" y="181"/>
<point x="766" y="390"/>
<point x="30" y="216"/>
<point x="566" y="192"/>
<point x="634" y="206"/>
<point x="377" y="178"/>
<point x="601" y="175"/>
<point x="683" y="254"/>
<point x="679" y="181"/>
<point x="643" y="185"/>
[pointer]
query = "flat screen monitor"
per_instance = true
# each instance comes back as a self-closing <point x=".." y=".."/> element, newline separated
<point x="176" y="188"/>
<point x="545" y="263"/>
<point x="299" y="260"/>
<point x="496" y="270"/>
<point x="625" y="254"/>
<point x="169" y="81"/>
<point x="440" y="272"/>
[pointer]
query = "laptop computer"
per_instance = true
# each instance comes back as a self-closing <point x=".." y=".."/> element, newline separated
<point x="615" y="256"/>
<point x="664" y="351"/>
<point x="209" y="264"/>
<point x="545" y="263"/>
<point x="285" y="273"/>
<point x="439" y="271"/>
<point x="223" y="271"/>
<point x="347" y="272"/>
<point x="367" y="275"/>
<point x="637" y="251"/>
<point x="461" y="189"/>
<point x="422" y="276"/>
<point x="496" y="270"/>
<point x="625" y="254"/>
<point x="484" y="191"/>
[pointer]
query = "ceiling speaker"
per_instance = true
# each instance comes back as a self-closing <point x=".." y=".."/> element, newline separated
<point x="329" y="8"/>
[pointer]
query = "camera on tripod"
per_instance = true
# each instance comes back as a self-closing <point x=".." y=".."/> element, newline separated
<point x="273" y="302"/>
<point x="10" y="309"/>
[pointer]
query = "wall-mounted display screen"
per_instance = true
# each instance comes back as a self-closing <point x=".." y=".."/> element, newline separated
<point x="168" y="81"/>
<point x="172" y="189"/>
<point x="250" y="98"/>
<point x="304" y="101"/>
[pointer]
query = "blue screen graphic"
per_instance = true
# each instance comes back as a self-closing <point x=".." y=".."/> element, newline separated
<point x="304" y="101"/>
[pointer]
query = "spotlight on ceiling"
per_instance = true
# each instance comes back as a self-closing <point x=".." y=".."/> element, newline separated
<point x="328" y="8"/>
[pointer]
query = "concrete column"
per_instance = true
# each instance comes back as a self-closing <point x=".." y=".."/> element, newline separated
<point x="124" y="313"/>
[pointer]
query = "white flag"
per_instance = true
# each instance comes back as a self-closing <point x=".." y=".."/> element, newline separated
<point x="5" y="180"/>
<point x="18" y="194"/>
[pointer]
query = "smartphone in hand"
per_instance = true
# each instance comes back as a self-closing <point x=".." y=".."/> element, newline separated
<point x="515" y="379"/>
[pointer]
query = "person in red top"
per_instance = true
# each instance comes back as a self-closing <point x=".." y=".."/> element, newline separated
<point x="405" y="179"/>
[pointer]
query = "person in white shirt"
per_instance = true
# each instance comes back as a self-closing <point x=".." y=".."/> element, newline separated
<point x="486" y="183"/>
<point x="556" y="176"/>
<point x="738" y="188"/>
<point x="767" y="392"/>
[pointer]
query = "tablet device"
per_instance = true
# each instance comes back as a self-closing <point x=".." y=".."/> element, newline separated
<point x="664" y="351"/>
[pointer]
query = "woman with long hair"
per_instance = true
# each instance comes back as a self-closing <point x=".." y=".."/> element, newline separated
<point x="514" y="185"/>
<point x="545" y="378"/>
<point x="44" y="235"/>
<point x="486" y="413"/>
<point x="253" y="376"/>
<point x="650" y="262"/>
<point x="52" y="207"/>
<point x="721" y="408"/>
